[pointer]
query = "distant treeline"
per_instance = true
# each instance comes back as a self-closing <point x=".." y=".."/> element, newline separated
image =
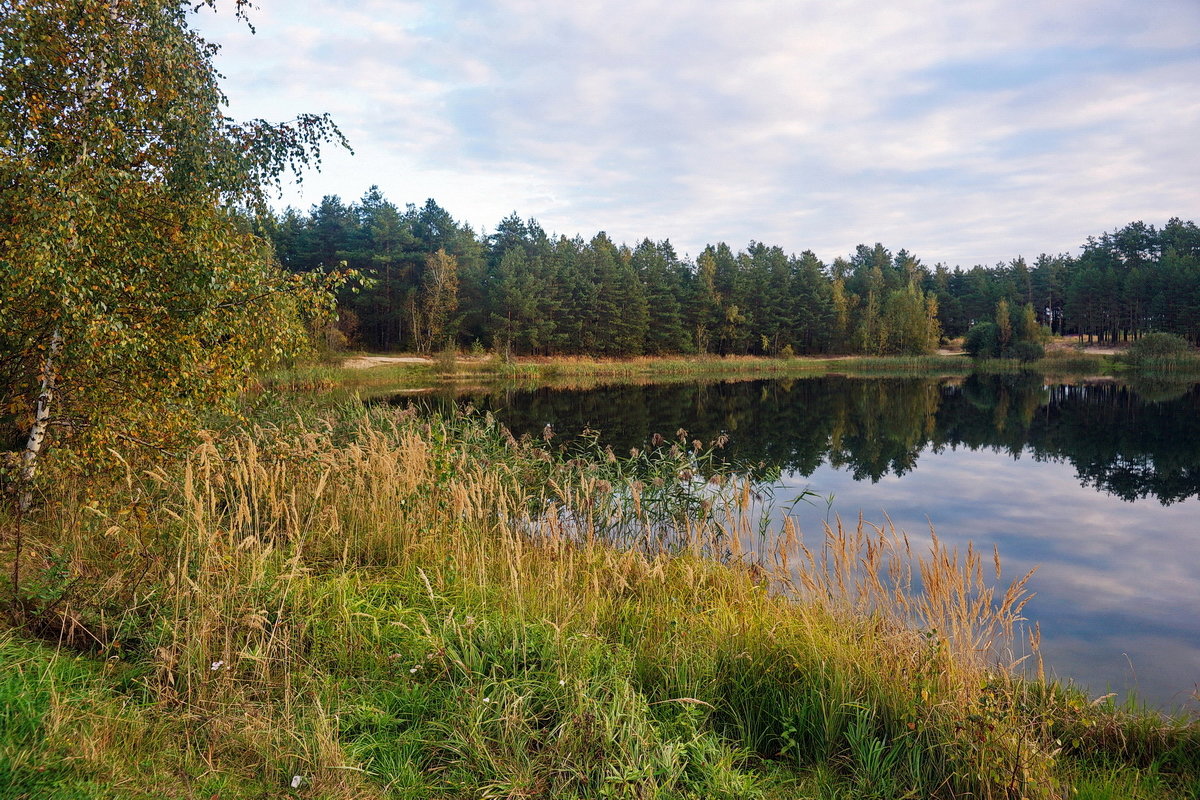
<point x="432" y="282"/>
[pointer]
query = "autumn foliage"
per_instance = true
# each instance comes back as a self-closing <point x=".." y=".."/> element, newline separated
<point x="133" y="287"/>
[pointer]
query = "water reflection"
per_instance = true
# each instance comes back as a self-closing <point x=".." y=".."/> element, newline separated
<point x="1098" y="485"/>
<point x="1117" y="440"/>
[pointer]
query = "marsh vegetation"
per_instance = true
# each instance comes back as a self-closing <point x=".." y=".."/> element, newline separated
<point x="382" y="603"/>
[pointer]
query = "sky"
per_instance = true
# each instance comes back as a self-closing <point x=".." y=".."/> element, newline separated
<point x="966" y="131"/>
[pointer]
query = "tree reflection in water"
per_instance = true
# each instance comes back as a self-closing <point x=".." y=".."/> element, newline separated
<point x="1130" y="441"/>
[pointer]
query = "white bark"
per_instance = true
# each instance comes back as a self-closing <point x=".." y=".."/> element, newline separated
<point x="41" y="421"/>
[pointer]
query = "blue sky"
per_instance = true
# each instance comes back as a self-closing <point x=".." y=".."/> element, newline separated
<point x="966" y="132"/>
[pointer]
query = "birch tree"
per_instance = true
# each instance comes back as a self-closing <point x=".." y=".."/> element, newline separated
<point x="437" y="299"/>
<point x="132" y="288"/>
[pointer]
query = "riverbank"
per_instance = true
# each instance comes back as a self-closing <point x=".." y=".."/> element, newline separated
<point x="1064" y="359"/>
<point x="371" y="603"/>
<point x="367" y="373"/>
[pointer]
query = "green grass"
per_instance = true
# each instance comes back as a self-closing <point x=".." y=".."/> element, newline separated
<point x="389" y="605"/>
<point x="1177" y="368"/>
<point x="334" y="384"/>
<point x="75" y="727"/>
<point x="279" y="395"/>
<point x="667" y="367"/>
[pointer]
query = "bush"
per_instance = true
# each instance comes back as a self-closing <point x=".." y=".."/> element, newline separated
<point x="1026" y="351"/>
<point x="446" y="359"/>
<point x="1158" y="345"/>
<point x="982" y="341"/>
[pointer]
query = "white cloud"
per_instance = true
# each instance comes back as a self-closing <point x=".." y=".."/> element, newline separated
<point x="964" y="132"/>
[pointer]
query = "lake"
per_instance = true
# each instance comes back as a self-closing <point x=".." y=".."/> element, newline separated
<point x="1096" y="484"/>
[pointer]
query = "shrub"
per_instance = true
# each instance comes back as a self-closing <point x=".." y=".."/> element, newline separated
<point x="1158" y="345"/>
<point x="446" y="359"/>
<point x="982" y="341"/>
<point x="1026" y="351"/>
<point x="1163" y="352"/>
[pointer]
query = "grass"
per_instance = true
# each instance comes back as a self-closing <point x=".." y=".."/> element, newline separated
<point x="74" y="727"/>
<point x="370" y="603"/>
<point x="279" y="393"/>
<point x="1183" y="367"/>
<point x="728" y="366"/>
<point x="335" y="384"/>
<point x="1073" y="362"/>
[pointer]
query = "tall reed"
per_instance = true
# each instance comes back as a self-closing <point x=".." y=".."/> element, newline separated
<point x="379" y="601"/>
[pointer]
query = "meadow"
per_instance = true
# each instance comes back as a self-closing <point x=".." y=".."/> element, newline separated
<point x="368" y="602"/>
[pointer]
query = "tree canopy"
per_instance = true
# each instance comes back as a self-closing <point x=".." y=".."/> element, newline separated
<point x="521" y="290"/>
<point x="133" y="283"/>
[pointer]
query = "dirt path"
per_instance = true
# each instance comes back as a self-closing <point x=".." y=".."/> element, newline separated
<point x="366" y="362"/>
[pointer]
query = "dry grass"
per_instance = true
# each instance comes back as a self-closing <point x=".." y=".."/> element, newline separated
<point x="383" y="603"/>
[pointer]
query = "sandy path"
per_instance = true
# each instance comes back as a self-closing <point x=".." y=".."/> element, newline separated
<point x="1102" y="351"/>
<point x="365" y="362"/>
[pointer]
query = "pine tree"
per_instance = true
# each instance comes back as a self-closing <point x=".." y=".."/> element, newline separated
<point x="658" y="269"/>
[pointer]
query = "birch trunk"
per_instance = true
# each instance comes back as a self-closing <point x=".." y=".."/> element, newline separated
<point x="41" y="422"/>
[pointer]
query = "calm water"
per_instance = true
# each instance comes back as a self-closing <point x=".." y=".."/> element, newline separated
<point x="1097" y="485"/>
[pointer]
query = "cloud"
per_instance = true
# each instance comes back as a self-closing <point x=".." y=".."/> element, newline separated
<point x="967" y="133"/>
<point x="1115" y="581"/>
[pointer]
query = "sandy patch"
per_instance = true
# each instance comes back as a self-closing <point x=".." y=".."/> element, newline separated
<point x="1070" y="343"/>
<point x="1102" y="351"/>
<point x="366" y="362"/>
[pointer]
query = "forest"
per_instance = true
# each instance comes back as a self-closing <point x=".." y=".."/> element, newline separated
<point x="431" y="282"/>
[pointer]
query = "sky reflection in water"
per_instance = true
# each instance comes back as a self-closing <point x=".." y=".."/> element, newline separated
<point x="1116" y="590"/>
<point x="1095" y="485"/>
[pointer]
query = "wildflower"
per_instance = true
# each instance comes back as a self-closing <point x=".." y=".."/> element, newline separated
<point x="547" y="432"/>
<point x="216" y="665"/>
<point x="414" y="669"/>
<point x="562" y="683"/>
<point x="297" y="780"/>
<point x="657" y="440"/>
<point x="487" y="699"/>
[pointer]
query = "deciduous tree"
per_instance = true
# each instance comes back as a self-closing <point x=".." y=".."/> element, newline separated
<point x="133" y="285"/>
